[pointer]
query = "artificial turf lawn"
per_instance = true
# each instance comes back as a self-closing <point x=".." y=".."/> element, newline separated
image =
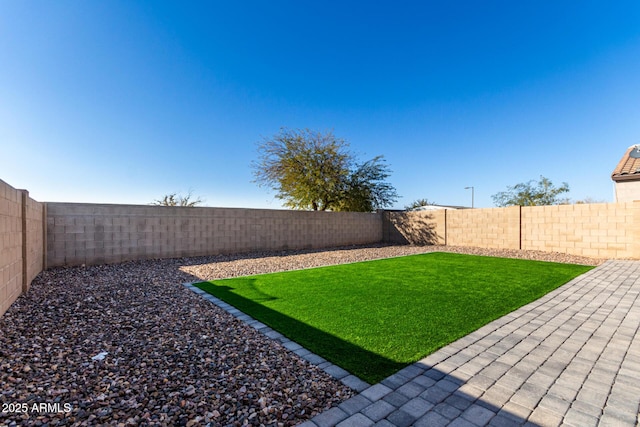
<point x="373" y="318"/>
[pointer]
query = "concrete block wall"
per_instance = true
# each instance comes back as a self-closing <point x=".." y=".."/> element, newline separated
<point x="602" y="230"/>
<point x="497" y="228"/>
<point x="35" y="235"/>
<point x="79" y="233"/>
<point x="21" y="243"/>
<point x="11" y="250"/>
<point x="415" y="228"/>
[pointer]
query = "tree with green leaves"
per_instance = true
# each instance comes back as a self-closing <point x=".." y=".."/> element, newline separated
<point x="532" y="193"/>
<point x="365" y="189"/>
<point x="315" y="171"/>
<point x="175" y="199"/>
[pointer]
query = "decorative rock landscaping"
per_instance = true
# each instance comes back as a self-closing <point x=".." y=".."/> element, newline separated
<point x="127" y="344"/>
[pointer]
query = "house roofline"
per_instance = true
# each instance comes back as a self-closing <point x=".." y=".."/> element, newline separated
<point x="626" y="177"/>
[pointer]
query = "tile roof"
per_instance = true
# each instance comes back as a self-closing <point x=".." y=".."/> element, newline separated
<point x="629" y="166"/>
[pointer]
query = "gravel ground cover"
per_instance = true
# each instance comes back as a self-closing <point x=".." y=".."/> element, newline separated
<point x="127" y="344"/>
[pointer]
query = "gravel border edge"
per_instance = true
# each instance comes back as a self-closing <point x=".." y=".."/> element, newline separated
<point x="333" y="370"/>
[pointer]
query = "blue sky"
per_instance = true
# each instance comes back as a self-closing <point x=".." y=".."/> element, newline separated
<point x="123" y="102"/>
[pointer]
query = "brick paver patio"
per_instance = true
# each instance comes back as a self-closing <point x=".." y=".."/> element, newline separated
<point x="570" y="358"/>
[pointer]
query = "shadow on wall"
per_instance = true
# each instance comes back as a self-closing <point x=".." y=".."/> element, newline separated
<point x="413" y="228"/>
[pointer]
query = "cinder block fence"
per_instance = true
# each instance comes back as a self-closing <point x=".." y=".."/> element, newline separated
<point x="35" y="235"/>
<point x="80" y="233"/>
<point x="22" y="243"/>
<point x="599" y="230"/>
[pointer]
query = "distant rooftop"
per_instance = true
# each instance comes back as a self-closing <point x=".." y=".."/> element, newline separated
<point x="629" y="166"/>
<point x="438" y="207"/>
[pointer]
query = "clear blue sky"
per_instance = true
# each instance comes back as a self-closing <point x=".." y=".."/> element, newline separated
<point x="124" y="101"/>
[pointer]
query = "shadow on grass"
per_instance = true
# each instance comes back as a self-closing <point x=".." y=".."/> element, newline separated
<point x="418" y="393"/>
<point x="369" y="366"/>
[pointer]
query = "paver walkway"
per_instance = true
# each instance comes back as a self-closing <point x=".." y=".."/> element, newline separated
<point x="570" y="358"/>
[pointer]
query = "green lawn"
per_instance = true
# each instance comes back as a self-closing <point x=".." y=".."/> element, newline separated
<point x="373" y="318"/>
